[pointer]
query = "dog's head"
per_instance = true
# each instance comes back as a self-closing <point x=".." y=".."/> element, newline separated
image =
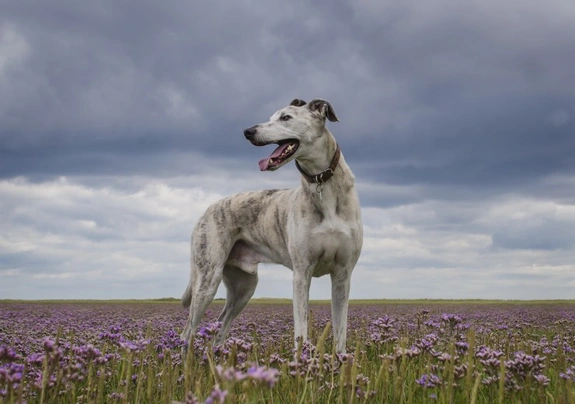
<point x="291" y="128"/>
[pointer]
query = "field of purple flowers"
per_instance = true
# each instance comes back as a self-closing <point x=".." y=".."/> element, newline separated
<point x="397" y="353"/>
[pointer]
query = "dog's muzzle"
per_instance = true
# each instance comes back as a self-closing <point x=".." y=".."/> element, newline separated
<point x="250" y="133"/>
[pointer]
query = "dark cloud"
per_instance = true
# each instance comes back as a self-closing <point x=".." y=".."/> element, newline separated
<point x="438" y="93"/>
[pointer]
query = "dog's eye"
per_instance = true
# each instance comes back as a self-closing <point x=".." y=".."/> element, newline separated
<point x="285" y="118"/>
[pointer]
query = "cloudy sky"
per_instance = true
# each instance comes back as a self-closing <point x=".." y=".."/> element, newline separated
<point x="121" y="121"/>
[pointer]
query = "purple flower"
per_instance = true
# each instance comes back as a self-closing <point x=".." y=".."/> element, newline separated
<point x="208" y="331"/>
<point x="264" y="374"/>
<point x="569" y="374"/>
<point x="429" y="381"/>
<point x="230" y="374"/>
<point x="8" y="354"/>
<point x="384" y="323"/>
<point x="409" y="353"/>
<point x="137" y="346"/>
<point x="171" y="340"/>
<point x="427" y="342"/>
<point x="451" y="320"/>
<point x="542" y="380"/>
<point x="444" y="357"/>
<point x="522" y="364"/>
<point x="275" y="358"/>
<point x="217" y="395"/>
<point x="49" y="344"/>
<point x="116" y="396"/>
<point x="489" y="358"/>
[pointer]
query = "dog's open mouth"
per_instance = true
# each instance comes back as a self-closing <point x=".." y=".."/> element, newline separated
<point x="280" y="156"/>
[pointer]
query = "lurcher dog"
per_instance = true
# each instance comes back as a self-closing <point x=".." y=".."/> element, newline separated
<point x="314" y="229"/>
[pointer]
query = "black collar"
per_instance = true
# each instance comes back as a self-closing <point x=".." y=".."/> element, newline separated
<point x="324" y="176"/>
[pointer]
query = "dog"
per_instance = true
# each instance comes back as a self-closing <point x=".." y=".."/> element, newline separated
<point x="314" y="230"/>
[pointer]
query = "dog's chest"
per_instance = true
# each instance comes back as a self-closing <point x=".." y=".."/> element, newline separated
<point x="331" y="242"/>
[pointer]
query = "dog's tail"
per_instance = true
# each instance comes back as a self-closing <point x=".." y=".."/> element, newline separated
<point x="187" y="296"/>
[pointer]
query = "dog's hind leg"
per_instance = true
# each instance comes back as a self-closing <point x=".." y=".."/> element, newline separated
<point x="187" y="296"/>
<point x="204" y="291"/>
<point x="187" y="303"/>
<point x="210" y="250"/>
<point x="240" y="287"/>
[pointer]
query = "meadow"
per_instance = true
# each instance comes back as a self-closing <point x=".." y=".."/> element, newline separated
<point x="398" y="352"/>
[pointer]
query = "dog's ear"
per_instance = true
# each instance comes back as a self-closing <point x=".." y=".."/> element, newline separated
<point x="324" y="108"/>
<point x="298" y="103"/>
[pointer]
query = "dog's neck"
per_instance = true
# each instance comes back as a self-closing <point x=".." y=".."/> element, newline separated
<point x="329" y="194"/>
<point x="324" y="176"/>
<point x="325" y="157"/>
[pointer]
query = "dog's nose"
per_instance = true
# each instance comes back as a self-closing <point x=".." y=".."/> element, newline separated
<point x="249" y="133"/>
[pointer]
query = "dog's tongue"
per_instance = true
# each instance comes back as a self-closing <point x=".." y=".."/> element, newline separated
<point x="265" y="163"/>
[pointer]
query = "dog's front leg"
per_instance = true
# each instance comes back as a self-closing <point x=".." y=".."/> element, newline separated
<point x="340" y="284"/>
<point x="301" y="284"/>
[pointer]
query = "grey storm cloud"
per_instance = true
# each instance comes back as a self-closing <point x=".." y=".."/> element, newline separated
<point x="429" y="92"/>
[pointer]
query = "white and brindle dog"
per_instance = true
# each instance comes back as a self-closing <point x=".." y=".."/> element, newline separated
<point x="314" y="229"/>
